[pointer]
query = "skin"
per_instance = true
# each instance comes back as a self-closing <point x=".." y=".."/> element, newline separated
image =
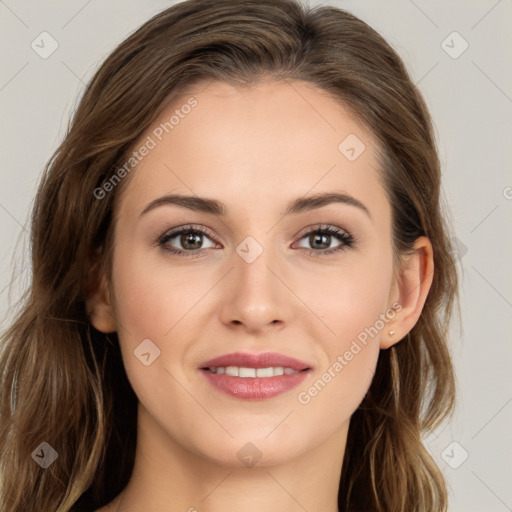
<point x="255" y="149"/>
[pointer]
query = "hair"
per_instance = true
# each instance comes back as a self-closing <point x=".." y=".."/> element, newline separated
<point x="63" y="382"/>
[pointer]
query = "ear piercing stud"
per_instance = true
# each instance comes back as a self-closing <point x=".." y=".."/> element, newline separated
<point x="391" y="332"/>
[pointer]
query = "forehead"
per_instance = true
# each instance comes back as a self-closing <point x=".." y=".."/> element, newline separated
<point x="270" y="141"/>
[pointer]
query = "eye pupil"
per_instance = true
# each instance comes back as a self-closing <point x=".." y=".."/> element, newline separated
<point x="188" y="239"/>
<point x="318" y="238"/>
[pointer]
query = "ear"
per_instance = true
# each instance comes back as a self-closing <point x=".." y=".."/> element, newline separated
<point x="409" y="291"/>
<point x="99" y="307"/>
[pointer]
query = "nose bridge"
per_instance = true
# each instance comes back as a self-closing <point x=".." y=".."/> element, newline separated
<point x="252" y="261"/>
<point x="257" y="296"/>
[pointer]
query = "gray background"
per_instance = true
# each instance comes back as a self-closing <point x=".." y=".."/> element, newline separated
<point x="470" y="98"/>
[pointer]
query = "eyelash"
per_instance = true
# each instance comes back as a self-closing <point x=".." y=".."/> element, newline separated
<point x="347" y="240"/>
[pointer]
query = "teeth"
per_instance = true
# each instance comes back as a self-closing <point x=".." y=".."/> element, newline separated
<point x="237" y="371"/>
<point x="247" y="372"/>
<point x="233" y="371"/>
<point x="267" y="372"/>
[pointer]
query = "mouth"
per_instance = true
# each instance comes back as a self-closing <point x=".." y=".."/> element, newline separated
<point x="253" y="373"/>
<point x="255" y="376"/>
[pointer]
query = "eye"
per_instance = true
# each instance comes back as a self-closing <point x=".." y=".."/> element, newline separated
<point x="320" y="240"/>
<point x="190" y="239"/>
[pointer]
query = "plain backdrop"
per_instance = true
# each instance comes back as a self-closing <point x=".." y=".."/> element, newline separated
<point x="460" y="55"/>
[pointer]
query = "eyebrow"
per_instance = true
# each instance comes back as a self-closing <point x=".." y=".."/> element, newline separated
<point x="219" y="209"/>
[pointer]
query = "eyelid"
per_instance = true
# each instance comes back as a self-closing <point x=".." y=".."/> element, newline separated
<point x="320" y="226"/>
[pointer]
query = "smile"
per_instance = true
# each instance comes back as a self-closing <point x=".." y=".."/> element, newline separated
<point x="254" y="376"/>
<point x="253" y="387"/>
<point x="252" y="373"/>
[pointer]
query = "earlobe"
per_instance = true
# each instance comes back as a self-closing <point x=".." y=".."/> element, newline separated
<point x="99" y="308"/>
<point x="410" y="291"/>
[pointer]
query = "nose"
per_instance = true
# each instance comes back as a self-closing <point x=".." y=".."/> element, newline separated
<point x="254" y="296"/>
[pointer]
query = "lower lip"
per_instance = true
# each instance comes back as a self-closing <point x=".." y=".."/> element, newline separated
<point x="255" y="388"/>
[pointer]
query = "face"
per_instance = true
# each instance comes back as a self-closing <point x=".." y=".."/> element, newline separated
<point x="277" y="273"/>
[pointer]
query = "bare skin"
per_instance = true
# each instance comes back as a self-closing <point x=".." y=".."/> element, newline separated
<point x="256" y="149"/>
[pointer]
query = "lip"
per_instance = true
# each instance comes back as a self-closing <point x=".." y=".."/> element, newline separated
<point x="257" y="388"/>
<point x="263" y="360"/>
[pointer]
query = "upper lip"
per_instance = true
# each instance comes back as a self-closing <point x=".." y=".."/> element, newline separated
<point x="263" y="360"/>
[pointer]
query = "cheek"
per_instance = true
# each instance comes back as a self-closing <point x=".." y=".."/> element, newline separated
<point x="349" y="298"/>
<point x="352" y="304"/>
<point x="149" y="302"/>
<point x="147" y="307"/>
<point x="149" y="298"/>
<point x="348" y="359"/>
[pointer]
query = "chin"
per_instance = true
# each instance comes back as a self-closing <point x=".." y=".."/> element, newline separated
<point x="251" y="449"/>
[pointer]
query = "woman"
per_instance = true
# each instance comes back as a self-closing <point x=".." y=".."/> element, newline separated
<point x="242" y="278"/>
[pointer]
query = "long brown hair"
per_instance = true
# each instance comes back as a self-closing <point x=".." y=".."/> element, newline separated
<point x="63" y="382"/>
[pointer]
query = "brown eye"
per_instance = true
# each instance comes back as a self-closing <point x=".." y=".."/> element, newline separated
<point x="320" y="240"/>
<point x="191" y="241"/>
<point x="185" y="241"/>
